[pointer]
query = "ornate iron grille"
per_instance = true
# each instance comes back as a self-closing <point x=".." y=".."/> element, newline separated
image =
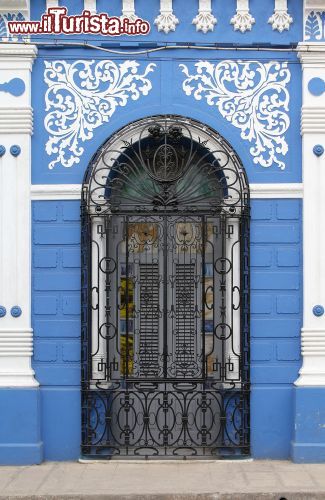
<point x="165" y="294"/>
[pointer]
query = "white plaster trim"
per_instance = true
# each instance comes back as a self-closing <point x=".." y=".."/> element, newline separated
<point x="128" y="10"/>
<point x="16" y="336"/>
<point x="205" y="20"/>
<point x="281" y="19"/>
<point x="242" y="20"/>
<point x="90" y="5"/>
<point x="312" y="372"/>
<point x="314" y="4"/>
<point x="18" y="49"/>
<point x="73" y="191"/>
<point x="313" y="120"/>
<point x="311" y="53"/>
<point x="166" y="21"/>
<point x="285" y="190"/>
<point x="14" y="5"/>
<point x="14" y="120"/>
<point x="56" y="191"/>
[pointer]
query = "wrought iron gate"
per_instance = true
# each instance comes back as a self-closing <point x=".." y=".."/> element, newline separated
<point x="165" y="294"/>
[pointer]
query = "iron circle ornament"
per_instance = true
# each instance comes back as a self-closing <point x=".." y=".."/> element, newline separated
<point x="2" y="150"/>
<point x="3" y="311"/>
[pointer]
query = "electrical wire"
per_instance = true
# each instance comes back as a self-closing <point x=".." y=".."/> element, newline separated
<point x="155" y="49"/>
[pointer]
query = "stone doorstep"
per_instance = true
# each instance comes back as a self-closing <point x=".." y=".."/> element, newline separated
<point x="177" y="496"/>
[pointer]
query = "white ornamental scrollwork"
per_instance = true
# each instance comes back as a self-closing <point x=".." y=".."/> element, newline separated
<point x="253" y="97"/>
<point x="83" y="95"/>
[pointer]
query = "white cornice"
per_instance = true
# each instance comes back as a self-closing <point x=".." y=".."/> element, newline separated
<point x="14" y="5"/>
<point x="16" y="50"/>
<point x="73" y="191"/>
<point x="279" y="190"/>
<point x="311" y="53"/>
<point x="56" y="191"/>
<point x="314" y="4"/>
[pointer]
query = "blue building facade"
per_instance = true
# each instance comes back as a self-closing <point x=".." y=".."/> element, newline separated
<point x="249" y="70"/>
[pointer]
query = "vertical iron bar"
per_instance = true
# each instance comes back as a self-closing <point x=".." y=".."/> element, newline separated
<point x="165" y="297"/>
<point x="203" y="226"/>
<point x="127" y="297"/>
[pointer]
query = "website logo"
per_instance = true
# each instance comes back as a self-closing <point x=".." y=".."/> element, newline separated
<point x="56" y="21"/>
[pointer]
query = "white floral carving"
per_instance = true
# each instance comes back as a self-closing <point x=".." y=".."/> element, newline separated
<point x="280" y="20"/>
<point x="204" y="21"/>
<point x="83" y="95"/>
<point x="242" y="21"/>
<point x="166" y="22"/>
<point x="253" y="97"/>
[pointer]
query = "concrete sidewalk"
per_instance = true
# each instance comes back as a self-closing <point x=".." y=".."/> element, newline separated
<point x="251" y="480"/>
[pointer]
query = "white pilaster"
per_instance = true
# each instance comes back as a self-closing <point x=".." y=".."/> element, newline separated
<point x="204" y="20"/>
<point x="16" y="339"/>
<point x="280" y="19"/>
<point x="51" y="3"/>
<point x="90" y="5"/>
<point x="242" y="20"/>
<point x="166" y="21"/>
<point x="312" y="373"/>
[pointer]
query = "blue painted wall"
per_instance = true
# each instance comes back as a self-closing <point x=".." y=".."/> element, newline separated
<point x="276" y="319"/>
<point x="276" y="312"/>
<point x="56" y="323"/>
<point x="276" y="259"/>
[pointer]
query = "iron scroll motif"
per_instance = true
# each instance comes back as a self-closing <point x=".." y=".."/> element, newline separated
<point x="165" y="303"/>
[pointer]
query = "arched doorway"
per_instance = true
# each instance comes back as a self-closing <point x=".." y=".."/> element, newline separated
<point x="165" y="294"/>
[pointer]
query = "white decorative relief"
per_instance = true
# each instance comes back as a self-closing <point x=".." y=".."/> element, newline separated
<point x="166" y="21"/>
<point x="281" y="19"/>
<point x="205" y="20"/>
<point x="253" y="97"/>
<point x="128" y="10"/>
<point x="242" y="20"/>
<point x="83" y="95"/>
